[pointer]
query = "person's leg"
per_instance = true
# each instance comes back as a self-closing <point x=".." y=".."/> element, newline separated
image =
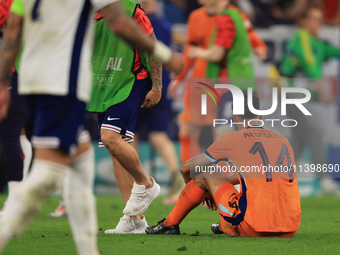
<point x="184" y="141"/>
<point x="166" y="148"/>
<point x="126" y="225"/>
<point x="54" y="141"/>
<point x="14" y="162"/>
<point x="123" y="178"/>
<point x="128" y="158"/>
<point x="14" y="158"/>
<point x="80" y="201"/>
<point x="117" y="127"/>
<point x="126" y="155"/>
<point x="10" y="129"/>
<point x="192" y="195"/>
<point x="189" y="140"/>
<point x="78" y="184"/>
<point x="48" y="171"/>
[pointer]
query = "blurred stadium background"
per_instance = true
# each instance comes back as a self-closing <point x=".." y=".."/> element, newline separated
<point x="275" y="22"/>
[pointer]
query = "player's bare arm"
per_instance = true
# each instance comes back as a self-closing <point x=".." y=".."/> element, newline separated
<point x="213" y="54"/>
<point x="10" y="47"/>
<point x="188" y="169"/>
<point x="155" y="94"/>
<point x="189" y="166"/>
<point x="8" y="52"/>
<point x="129" y="31"/>
<point x="126" y="28"/>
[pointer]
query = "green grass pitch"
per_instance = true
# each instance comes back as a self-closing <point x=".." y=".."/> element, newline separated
<point x="319" y="233"/>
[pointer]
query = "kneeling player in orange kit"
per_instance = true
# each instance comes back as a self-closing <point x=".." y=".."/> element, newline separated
<point x="262" y="162"/>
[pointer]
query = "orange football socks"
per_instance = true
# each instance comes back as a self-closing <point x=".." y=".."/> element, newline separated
<point x="190" y="198"/>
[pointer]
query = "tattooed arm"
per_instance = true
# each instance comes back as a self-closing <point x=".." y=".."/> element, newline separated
<point x="10" y="47"/>
<point x="156" y="68"/>
<point x="8" y="52"/>
<point x="155" y="93"/>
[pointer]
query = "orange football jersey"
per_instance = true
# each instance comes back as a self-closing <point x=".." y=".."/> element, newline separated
<point x="269" y="199"/>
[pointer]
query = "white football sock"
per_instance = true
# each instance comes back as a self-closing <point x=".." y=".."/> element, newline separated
<point x="27" y="150"/>
<point x="27" y="201"/>
<point x="13" y="187"/>
<point x="80" y="203"/>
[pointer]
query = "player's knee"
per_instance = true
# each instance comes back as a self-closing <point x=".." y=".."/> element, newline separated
<point x="111" y="140"/>
<point x="42" y="183"/>
<point x="41" y="191"/>
<point x="184" y="167"/>
<point x="199" y="181"/>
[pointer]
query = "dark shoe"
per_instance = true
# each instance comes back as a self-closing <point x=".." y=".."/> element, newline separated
<point x="161" y="229"/>
<point x="215" y="227"/>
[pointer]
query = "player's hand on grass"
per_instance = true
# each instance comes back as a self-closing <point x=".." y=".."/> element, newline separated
<point x="176" y="63"/>
<point x="152" y="98"/>
<point x="209" y="202"/>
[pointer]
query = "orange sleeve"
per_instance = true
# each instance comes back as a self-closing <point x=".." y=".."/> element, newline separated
<point x="256" y="41"/>
<point x="220" y="149"/>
